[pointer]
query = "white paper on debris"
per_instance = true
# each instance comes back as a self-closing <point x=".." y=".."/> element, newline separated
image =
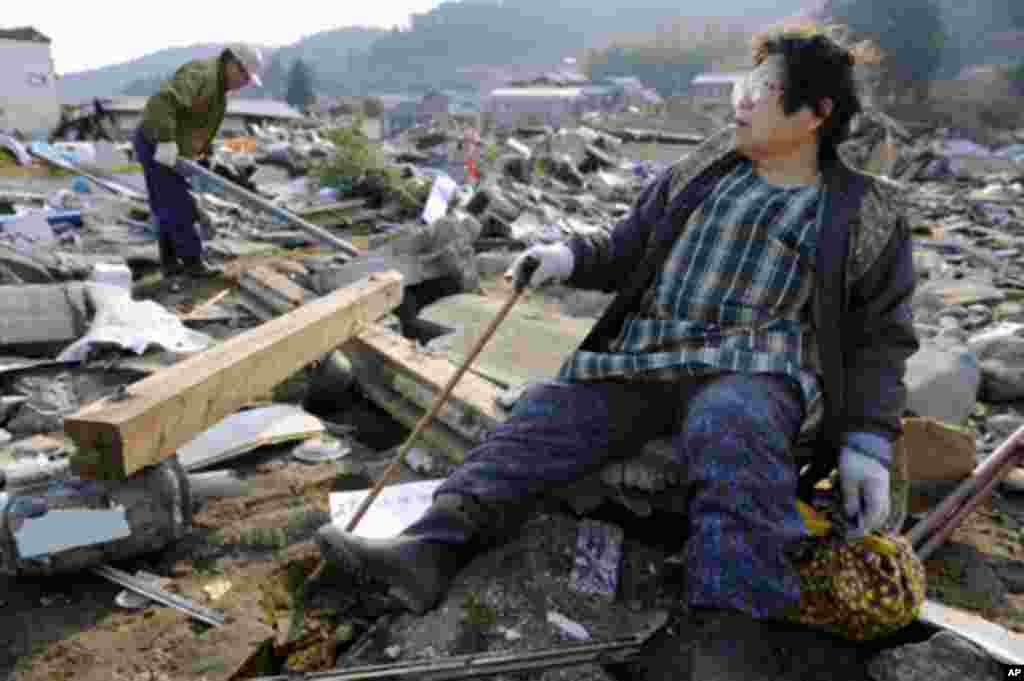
<point x="394" y="509"/>
<point x="132" y="325"/>
<point x="596" y="562"/>
<point x="440" y="195"/>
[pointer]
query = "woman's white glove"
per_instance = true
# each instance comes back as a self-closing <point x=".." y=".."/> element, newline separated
<point x="556" y="262"/>
<point x="166" y="153"/>
<point x="864" y="482"/>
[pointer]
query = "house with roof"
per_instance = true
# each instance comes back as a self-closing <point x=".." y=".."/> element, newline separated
<point x="127" y="111"/>
<point x="28" y="83"/>
<point x="398" y="113"/>
<point x="716" y="87"/>
<point x="535" y="105"/>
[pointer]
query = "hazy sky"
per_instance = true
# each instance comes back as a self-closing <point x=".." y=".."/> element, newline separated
<point x="89" y="35"/>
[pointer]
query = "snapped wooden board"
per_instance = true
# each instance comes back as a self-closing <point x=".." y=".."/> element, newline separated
<point x="116" y="437"/>
<point x="273" y="288"/>
<point x="389" y="360"/>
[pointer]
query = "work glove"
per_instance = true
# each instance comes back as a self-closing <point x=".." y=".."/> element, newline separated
<point x="864" y="482"/>
<point x="166" y="153"/>
<point x="556" y="262"/>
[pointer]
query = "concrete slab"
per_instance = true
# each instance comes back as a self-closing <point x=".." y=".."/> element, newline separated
<point x="41" y="318"/>
<point x="529" y="345"/>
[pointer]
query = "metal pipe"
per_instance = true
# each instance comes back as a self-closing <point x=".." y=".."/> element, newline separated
<point x="981" y="492"/>
<point x="188" y="168"/>
<point x="941" y="518"/>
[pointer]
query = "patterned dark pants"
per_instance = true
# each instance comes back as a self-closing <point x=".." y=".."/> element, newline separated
<point x="171" y="203"/>
<point x="732" y="432"/>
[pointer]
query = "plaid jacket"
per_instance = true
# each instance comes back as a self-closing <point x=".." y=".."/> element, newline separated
<point x="732" y="296"/>
<point x="864" y="281"/>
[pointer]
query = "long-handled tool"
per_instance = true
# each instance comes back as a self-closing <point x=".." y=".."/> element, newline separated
<point x="928" y="534"/>
<point x="523" y="277"/>
<point x="614" y="652"/>
<point x="189" y="168"/>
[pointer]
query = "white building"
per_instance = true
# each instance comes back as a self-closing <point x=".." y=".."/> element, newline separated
<point x="28" y="83"/>
<point x="554" y="106"/>
<point x="715" y="86"/>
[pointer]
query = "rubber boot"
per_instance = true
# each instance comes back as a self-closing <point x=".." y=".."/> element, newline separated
<point x="170" y="265"/>
<point x="417" y="565"/>
<point x="196" y="268"/>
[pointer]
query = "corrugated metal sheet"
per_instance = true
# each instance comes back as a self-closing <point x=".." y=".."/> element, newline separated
<point x="260" y="108"/>
<point x="550" y="92"/>
<point x="716" y="78"/>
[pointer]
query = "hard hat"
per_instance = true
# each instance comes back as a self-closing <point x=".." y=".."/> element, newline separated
<point x="251" y="58"/>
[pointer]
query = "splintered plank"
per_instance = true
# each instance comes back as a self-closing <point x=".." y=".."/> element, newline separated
<point x="275" y="289"/>
<point x="118" y="436"/>
<point x="385" y="359"/>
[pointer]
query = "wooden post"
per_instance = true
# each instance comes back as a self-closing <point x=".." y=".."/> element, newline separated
<point x="120" y="435"/>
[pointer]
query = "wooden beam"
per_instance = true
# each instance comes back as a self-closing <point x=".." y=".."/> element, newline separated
<point x="437" y="435"/>
<point x="273" y="288"/>
<point x="384" y="358"/>
<point x="116" y="437"/>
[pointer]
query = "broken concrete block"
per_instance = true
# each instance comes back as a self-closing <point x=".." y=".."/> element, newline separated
<point x="515" y="166"/>
<point x="153" y="503"/>
<point x="944" y="657"/>
<point x="529" y="345"/>
<point x="40" y="319"/>
<point x="562" y="168"/>
<point x="1000" y="352"/>
<point x="943" y="384"/>
<point x="943" y="293"/>
<point x="611" y="186"/>
<point x="21" y="268"/>
<point x="530" y="229"/>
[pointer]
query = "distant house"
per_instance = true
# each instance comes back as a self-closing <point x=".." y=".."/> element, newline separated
<point x="605" y="98"/>
<point x="433" y="104"/>
<point x="715" y="86"/>
<point x="241" y="112"/>
<point x="336" y="106"/>
<point x="400" y="114"/>
<point x="28" y="83"/>
<point x="554" y="106"/>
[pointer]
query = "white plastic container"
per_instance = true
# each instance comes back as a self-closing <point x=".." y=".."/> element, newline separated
<point x="119" y="275"/>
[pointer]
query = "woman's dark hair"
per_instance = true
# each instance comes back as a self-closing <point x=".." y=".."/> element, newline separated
<point x="815" y="67"/>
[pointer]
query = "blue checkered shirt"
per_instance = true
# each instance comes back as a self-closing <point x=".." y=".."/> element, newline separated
<point x="732" y="296"/>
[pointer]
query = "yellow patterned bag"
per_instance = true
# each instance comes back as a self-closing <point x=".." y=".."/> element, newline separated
<point x="859" y="589"/>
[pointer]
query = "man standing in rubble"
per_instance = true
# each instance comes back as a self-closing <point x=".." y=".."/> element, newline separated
<point x="180" y="121"/>
<point x="764" y="292"/>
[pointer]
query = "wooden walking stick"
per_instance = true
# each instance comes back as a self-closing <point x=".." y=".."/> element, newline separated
<point x="525" y="273"/>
